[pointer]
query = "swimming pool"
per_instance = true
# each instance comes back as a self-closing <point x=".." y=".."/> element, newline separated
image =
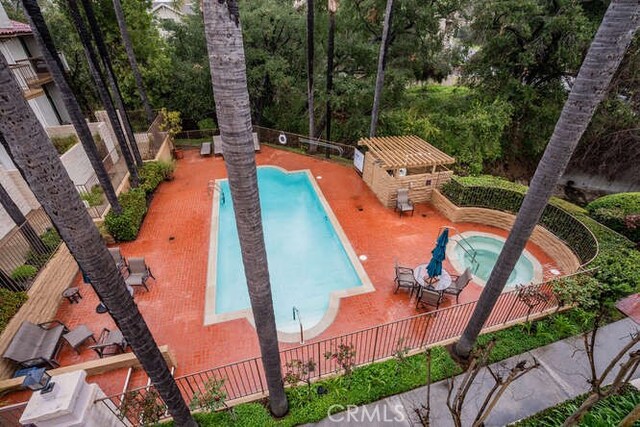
<point x="479" y="252"/>
<point x="311" y="263"/>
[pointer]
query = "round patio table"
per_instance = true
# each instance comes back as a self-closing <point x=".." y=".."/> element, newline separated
<point x="443" y="282"/>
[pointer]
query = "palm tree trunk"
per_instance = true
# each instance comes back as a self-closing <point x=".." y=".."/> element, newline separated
<point x="20" y="220"/>
<point x="128" y="47"/>
<point x="111" y="76"/>
<point x="39" y="163"/>
<point x="310" y="61"/>
<point x="382" y="60"/>
<point x="332" y="7"/>
<point x="228" y="75"/>
<point x="602" y="60"/>
<point x="43" y="37"/>
<point x="103" y="91"/>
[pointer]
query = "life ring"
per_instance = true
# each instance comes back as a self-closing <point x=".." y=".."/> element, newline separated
<point x="282" y="139"/>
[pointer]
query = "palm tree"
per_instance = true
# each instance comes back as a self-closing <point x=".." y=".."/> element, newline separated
<point x="45" y="41"/>
<point x="229" y="78"/>
<point x="38" y="162"/>
<point x="19" y="219"/>
<point x="332" y="7"/>
<point x="603" y="58"/>
<point x="310" y="61"/>
<point x="111" y="76"/>
<point x="128" y="47"/>
<point x="103" y="91"/>
<point x="382" y="59"/>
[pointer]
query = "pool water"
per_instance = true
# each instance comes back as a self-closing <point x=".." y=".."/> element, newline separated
<point x="307" y="261"/>
<point x="486" y="251"/>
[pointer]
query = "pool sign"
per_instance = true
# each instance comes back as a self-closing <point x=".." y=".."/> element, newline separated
<point x="358" y="159"/>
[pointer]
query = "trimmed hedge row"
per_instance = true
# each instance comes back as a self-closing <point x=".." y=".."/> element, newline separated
<point x="505" y="196"/>
<point x="125" y="226"/>
<point x="10" y="303"/>
<point x="620" y="212"/>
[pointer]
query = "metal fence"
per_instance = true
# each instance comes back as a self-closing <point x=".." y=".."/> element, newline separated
<point x="246" y="378"/>
<point x="25" y="250"/>
<point x="555" y="219"/>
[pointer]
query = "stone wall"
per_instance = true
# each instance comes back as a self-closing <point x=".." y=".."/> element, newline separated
<point x="547" y="241"/>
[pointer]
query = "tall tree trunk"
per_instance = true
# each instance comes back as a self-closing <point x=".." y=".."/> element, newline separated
<point x="40" y="165"/>
<point x="603" y="58"/>
<point x="19" y="219"/>
<point x="382" y="61"/>
<point x="128" y="47"/>
<point x="103" y="91"/>
<point x="332" y="6"/>
<point x="42" y="35"/>
<point x="228" y="75"/>
<point x="113" y="82"/>
<point x="310" y="62"/>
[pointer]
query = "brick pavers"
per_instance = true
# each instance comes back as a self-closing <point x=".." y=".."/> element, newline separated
<point x="174" y="240"/>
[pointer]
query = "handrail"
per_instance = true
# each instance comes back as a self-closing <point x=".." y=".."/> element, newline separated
<point x="463" y="239"/>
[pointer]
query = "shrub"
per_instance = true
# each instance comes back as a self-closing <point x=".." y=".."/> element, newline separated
<point x="95" y="197"/>
<point x="64" y="143"/>
<point x="50" y="238"/>
<point x="125" y="227"/>
<point x="153" y="173"/>
<point x="24" y="272"/>
<point x="10" y="303"/>
<point x="618" y="212"/>
<point x="206" y="124"/>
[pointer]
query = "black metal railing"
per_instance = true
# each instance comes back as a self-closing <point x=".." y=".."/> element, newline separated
<point x="246" y="379"/>
<point x="25" y="250"/>
<point x="561" y="223"/>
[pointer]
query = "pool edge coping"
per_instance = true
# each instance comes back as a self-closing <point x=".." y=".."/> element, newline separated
<point x="366" y="286"/>
<point x="538" y="272"/>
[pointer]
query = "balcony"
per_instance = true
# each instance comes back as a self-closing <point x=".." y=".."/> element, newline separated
<point x="31" y="74"/>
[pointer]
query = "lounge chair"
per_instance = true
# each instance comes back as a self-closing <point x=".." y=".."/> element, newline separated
<point x="139" y="273"/>
<point x="217" y="143"/>
<point x="121" y="262"/>
<point x="110" y="343"/>
<point x="459" y="283"/>
<point x="427" y="296"/>
<point x="405" y="279"/>
<point x="403" y="204"/>
<point x="36" y="345"/>
<point x="205" y="149"/>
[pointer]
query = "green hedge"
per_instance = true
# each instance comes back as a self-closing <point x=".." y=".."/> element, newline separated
<point x="10" y="303"/>
<point x="125" y="227"/>
<point x="620" y="212"/>
<point x="503" y="195"/>
<point x="617" y="262"/>
<point x="608" y="412"/>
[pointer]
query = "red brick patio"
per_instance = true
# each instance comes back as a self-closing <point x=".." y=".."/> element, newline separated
<point x="175" y="240"/>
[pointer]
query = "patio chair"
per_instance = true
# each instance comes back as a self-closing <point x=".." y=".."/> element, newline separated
<point x="139" y="273"/>
<point x="405" y="279"/>
<point x="110" y="343"/>
<point x="459" y="283"/>
<point x="403" y="204"/>
<point x="121" y="262"/>
<point x="36" y="345"/>
<point x="205" y="149"/>
<point x="427" y="296"/>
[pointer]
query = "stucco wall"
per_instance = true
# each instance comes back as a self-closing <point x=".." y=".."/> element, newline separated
<point x="20" y="194"/>
<point x="547" y="241"/>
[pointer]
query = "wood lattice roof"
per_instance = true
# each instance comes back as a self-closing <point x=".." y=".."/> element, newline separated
<point x="405" y="151"/>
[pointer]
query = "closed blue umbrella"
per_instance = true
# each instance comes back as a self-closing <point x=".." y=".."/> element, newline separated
<point x="434" y="268"/>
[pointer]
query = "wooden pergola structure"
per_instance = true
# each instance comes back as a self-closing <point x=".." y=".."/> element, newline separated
<point x="393" y="162"/>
